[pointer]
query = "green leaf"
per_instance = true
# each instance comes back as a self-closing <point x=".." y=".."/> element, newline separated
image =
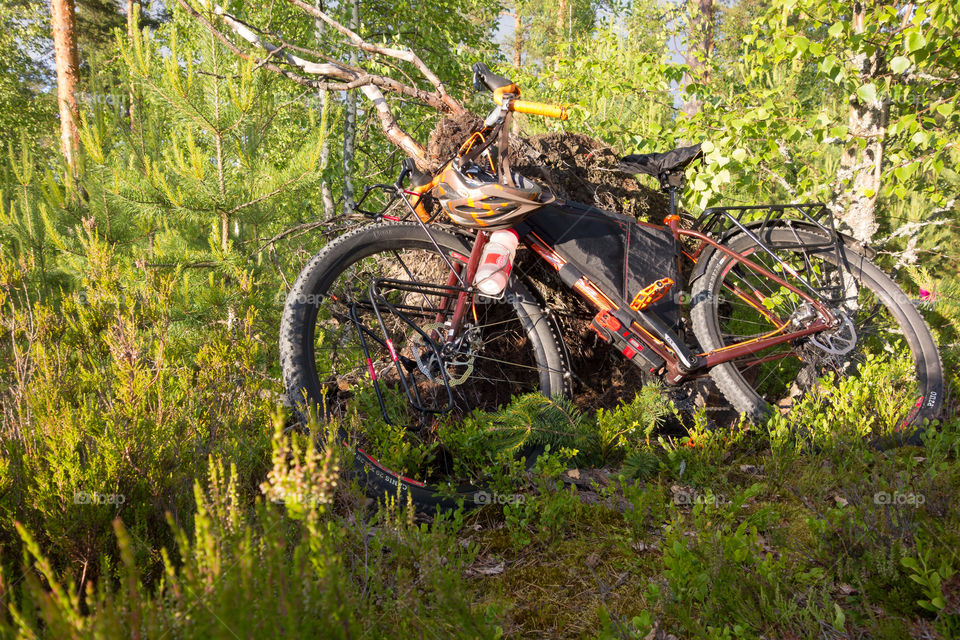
<point x="945" y="109"/>
<point x="839" y="620"/>
<point x="867" y="93"/>
<point x="739" y="155"/>
<point x="828" y="63"/>
<point x="836" y="30"/>
<point x="915" y="41"/>
<point x="900" y="64"/>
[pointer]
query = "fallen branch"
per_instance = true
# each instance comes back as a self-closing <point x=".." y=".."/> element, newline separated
<point x="336" y="76"/>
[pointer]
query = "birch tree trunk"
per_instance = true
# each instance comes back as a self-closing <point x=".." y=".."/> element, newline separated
<point x="350" y="122"/>
<point x="859" y="175"/>
<point x="64" y="27"/>
<point x="699" y="49"/>
<point x="326" y="195"/>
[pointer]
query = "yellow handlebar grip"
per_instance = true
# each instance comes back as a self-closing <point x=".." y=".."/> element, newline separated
<point x="539" y="109"/>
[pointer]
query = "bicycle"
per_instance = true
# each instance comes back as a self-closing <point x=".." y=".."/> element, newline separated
<point x="386" y="319"/>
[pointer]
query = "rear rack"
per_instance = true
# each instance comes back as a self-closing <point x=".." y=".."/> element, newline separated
<point x="754" y="220"/>
<point x="718" y="221"/>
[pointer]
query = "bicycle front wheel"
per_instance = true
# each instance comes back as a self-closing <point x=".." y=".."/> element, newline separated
<point x="363" y="334"/>
<point x="879" y="330"/>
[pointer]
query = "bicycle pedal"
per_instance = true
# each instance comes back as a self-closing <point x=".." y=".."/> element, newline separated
<point x="651" y="293"/>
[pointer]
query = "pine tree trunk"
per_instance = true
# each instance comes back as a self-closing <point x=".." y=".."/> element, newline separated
<point x="131" y="31"/>
<point x="326" y="195"/>
<point x="859" y="175"/>
<point x="350" y="122"/>
<point x="561" y="19"/>
<point x="63" y="22"/>
<point x="218" y="146"/>
<point x="699" y="49"/>
<point x="517" y="38"/>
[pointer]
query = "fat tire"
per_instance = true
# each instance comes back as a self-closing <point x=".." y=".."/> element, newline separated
<point x="297" y="338"/>
<point x="746" y="400"/>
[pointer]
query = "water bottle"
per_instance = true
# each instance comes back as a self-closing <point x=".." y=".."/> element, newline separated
<point x="496" y="262"/>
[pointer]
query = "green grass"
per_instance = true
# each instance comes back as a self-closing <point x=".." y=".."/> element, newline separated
<point x="195" y="521"/>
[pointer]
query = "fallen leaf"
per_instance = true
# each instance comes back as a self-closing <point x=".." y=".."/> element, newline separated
<point x="490" y="570"/>
<point x="574" y="473"/>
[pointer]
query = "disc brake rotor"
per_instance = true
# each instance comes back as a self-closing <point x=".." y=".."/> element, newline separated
<point x="839" y="341"/>
<point x="463" y="354"/>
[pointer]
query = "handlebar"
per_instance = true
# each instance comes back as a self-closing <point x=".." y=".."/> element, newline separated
<point x="539" y="109"/>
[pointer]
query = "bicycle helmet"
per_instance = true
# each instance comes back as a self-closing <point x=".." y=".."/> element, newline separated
<point x="473" y="198"/>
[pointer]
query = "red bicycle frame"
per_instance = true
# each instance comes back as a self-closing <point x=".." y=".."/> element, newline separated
<point x="657" y="342"/>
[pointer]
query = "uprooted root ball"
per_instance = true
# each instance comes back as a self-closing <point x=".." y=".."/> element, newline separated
<point x="572" y="165"/>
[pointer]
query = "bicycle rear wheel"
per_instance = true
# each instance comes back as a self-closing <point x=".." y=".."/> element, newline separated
<point x="362" y="333"/>
<point x="880" y="328"/>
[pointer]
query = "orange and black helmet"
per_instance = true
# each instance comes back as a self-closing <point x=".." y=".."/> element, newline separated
<point x="473" y="198"/>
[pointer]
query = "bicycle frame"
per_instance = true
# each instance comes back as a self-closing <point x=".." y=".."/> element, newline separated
<point x="679" y="362"/>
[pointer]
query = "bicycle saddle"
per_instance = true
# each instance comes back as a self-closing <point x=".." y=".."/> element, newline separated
<point x="666" y="167"/>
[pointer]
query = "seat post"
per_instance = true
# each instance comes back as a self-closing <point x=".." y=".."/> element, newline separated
<point x="673" y="200"/>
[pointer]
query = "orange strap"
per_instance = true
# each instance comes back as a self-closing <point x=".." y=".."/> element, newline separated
<point x="509" y="89"/>
<point x="420" y="210"/>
